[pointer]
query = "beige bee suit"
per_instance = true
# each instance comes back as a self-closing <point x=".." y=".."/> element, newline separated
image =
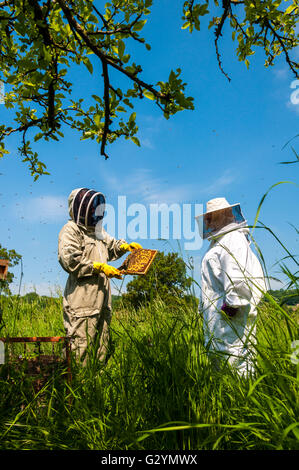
<point x="87" y="295"/>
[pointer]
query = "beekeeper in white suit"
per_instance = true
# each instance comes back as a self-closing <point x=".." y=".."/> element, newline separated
<point x="232" y="283"/>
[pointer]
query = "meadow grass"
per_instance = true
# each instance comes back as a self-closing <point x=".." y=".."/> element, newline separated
<point x="158" y="389"/>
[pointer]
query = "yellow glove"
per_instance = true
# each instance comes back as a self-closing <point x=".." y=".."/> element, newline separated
<point x="130" y="247"/>
<point x="108" y="270"/>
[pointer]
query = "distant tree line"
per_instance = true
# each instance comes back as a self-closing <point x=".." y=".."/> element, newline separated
<point x="167" y="279"/>
<point x="285" y="296"/>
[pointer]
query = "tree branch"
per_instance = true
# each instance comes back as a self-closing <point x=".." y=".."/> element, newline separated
<point x="218" y="33"/>
<point x="280" y="40"/>
<point x="40" y="22"/>
<point x="107" y="108"/>
<point x="98" y="52"/>
<point x="22" y="128"/>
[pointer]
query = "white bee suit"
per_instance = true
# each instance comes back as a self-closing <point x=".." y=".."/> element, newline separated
<point x="232" y="274"/>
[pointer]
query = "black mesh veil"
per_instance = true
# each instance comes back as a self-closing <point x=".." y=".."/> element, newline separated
<point x="88" y="207"/>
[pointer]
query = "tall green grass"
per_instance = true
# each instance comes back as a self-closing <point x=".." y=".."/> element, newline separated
<point x="39" y="317"/>
<point x="158" y="390"/>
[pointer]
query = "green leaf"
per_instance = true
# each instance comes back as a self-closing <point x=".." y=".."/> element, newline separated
<point x="136" y="141"/>
<point x="149" y="95"/>
<point x="38" y="136"/>
<point x="121" y="48"/>
<point x="47" y="54"/>
<point x="87" y="135"/>
<point x="115" y="49"/>
<point x="186" y="25"/>
<point x="97" y="120"/>
<point x="132" y="117"/>
<point x="88" y="65"/>
<point x="139" y="25"/>
<point x="290" y="9"/>
<point x="126" y="58"/>
<point x="130" y="69"/>
<point x="97" y="98"/>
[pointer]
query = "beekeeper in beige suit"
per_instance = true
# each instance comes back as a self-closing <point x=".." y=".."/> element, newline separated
<point x="84" y="248"/>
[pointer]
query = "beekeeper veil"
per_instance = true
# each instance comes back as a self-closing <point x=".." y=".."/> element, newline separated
<point x="86" y="207"/>
<point x="221" y="217"/>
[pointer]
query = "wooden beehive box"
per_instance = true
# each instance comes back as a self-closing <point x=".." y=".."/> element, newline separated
<point x="3" y="268"/>
<point x="36" y="364"/>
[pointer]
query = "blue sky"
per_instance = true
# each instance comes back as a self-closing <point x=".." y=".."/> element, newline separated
<point x="229" y="146"/>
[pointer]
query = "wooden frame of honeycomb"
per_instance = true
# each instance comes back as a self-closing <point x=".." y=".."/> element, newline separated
<point x="138" y="262"/>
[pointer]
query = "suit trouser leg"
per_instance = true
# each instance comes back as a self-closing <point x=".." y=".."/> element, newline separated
<point x="89" y="331"/>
